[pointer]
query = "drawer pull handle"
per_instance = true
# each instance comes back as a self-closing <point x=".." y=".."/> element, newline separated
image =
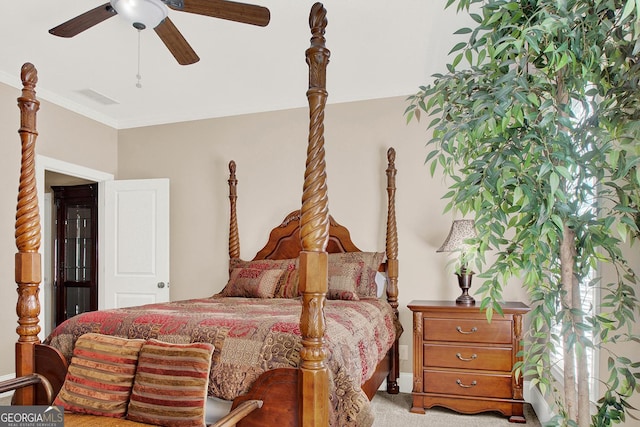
<point x="465" y="359"/>
<point x="459" y="329"/>
<point x="459" y="382"/>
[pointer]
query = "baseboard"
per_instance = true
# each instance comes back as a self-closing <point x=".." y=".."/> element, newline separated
<point x="540" y="405"/>
<point x="405" y="383"/>
<point x="531" y="393"/>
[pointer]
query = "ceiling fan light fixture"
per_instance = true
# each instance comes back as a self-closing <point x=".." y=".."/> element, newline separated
<point x="141" y="13"/>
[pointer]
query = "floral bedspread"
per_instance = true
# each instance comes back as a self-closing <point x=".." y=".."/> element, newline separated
<point x="254" y="335"/>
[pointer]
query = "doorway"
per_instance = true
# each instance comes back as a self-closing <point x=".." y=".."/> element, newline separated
<point x="50" y="172"/>
<point x="75" y="287"/>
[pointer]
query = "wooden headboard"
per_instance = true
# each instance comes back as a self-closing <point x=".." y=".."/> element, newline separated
<point x="284" y="240"/>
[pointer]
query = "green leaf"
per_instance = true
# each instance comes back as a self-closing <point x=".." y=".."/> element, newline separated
<point x="464" y="30"/>
<point x="554" y="182"/>
<point x="457" y="47"/>
<point x="468" y="54"/>
<point x="410" y="116"/>
<point x="629" y="7"/>
<point x="622" y="231"/>
<point x="481" y="56"/>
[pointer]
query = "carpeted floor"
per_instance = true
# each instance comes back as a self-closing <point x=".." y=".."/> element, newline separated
<point x="393" y="411"/>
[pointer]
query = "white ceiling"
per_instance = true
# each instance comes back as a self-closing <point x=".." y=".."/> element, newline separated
<point x="379" y="48"/>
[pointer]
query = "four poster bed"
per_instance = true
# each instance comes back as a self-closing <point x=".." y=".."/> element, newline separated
<point x="301" y="328"/>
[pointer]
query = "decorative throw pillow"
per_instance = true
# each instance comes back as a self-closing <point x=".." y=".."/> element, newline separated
<point x="170" y="387"/>
<point x="100" y="376"/>
<point x="252" y="283"/>
<point x="343" y="277"/>
<point x="287" y="286"/>
<point x="264" y="264"/>
<point x="365" y="286"/>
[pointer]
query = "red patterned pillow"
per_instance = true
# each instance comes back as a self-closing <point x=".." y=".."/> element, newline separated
<point x="170" y="387"/>
<point x="287" y="286"/>
<point x="343" y="277"/>
<point x="365" y="283"/>
<point x="252" y="283"/>
<point x="100" y="376"/>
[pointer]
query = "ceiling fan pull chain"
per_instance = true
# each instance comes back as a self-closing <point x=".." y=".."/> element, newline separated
<point x="138" y="76"/>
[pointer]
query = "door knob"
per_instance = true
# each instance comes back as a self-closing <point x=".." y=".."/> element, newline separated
<point x="161" y="285"/>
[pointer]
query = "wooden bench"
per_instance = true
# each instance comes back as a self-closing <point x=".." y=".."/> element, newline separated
<point x="82" y="420"/>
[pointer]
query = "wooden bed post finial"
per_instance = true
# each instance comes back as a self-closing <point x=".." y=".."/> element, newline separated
<point x="234" y="236"/>
<point x="27" y="234"/>
<point x="313" y="380"/>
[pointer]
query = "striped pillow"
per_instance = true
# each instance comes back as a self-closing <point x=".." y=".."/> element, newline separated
<point x="365" y="282"/>
<point x="100" y="376"/>
<point x="342" y="280"/>
<point x="170" y="387"/>
<point x="252" y="283"/>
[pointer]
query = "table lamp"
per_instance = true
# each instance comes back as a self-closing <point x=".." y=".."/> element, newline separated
<point x="461" y="230"/>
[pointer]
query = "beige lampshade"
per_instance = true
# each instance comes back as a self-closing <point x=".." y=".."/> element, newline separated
<point x="461" y="230"/>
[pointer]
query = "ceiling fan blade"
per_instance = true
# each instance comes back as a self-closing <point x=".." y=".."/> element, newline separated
<point x="176" y="43"/>
<point x="85" y="21"/>
<point x="232" y="11"/>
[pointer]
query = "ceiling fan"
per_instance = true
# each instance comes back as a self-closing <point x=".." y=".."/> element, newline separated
<point x="154" y="14"/>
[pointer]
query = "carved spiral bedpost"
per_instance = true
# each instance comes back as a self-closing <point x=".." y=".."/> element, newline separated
<point x="314" y="235"/>
<point x="234" y="237"/>
<point x="27" y="233"/>
<point x="392" y="265"/>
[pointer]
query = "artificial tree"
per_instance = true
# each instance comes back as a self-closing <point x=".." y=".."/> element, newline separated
<point x="537" y="124"/>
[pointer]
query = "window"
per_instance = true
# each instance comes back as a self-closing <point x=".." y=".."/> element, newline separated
<point x="589" y="296"/>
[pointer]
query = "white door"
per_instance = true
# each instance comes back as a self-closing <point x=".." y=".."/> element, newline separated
<point x="135" y="243"/>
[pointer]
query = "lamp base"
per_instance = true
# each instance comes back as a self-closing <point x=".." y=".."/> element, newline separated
<point x="465" y="299"/>
<point x="464" y="281"/>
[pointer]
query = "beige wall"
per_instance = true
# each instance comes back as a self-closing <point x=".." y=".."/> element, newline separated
<point x="63" y="136"/>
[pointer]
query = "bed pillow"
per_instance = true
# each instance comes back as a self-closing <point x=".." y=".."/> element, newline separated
<point x="381" y="284"/>
<point x="342" y="278"/>
<point x="264" y="264"/>
<point x="170" y="387"/>
<point x="365" y="283"/>
<point x="100" y="376"/>
<point x="252" y="283"/>
<point x="287" y="286"/>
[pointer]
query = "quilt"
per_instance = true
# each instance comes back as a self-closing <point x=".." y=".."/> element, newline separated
<point x="253" y="335"/>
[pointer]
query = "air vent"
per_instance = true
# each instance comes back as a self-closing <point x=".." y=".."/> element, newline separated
<point x="98" y="97"/>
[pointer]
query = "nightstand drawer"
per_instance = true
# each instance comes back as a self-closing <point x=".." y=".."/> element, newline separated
<point x="467" y="330"/>
<point x="467" y="383"/>
<point x="466" y="357"/>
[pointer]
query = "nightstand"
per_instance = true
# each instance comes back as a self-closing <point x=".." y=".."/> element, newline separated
<point x="464" y="363"/>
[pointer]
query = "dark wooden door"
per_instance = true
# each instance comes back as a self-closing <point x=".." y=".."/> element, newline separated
<point x="76" y="250"/>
